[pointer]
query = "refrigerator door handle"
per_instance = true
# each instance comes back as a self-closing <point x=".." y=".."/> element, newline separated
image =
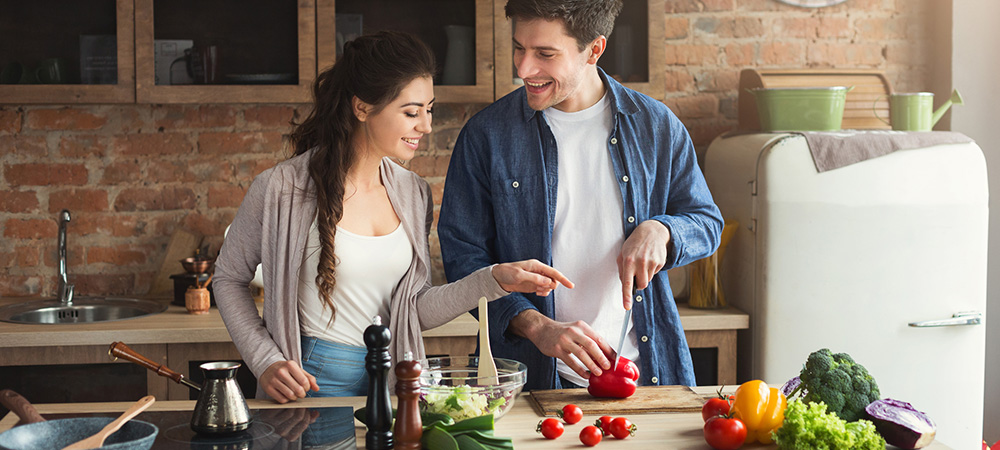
<point x="960" y="318"/>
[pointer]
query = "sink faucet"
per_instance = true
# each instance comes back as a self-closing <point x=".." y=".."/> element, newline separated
<point x="65" y="289"/>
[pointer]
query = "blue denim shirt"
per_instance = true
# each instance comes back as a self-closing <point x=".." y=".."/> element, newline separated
<point x="499" y="205"/>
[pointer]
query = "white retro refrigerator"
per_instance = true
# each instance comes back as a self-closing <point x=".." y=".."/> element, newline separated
<point x="883" y="259"/>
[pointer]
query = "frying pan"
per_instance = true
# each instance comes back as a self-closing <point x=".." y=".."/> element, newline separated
<point x="33" y="432"/>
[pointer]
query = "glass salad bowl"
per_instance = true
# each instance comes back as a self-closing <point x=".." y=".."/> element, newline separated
<point x="450" y="385"/>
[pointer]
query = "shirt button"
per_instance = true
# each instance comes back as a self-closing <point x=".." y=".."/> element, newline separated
<point x="644" y="339"/>
<point x="614" y="141"/>
<point x="625" y="178"/>
<point x="515" y="184"/>
<point x="631" y="219"/>
<point x="654" y="380"/>
<point x="638" y="298"/>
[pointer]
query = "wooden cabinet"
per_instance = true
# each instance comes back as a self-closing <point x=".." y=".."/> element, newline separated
<point x="635" y="53"/>
<point x="271" y="51"/>
<point x="40" y="32"/>
<point x="459" y="32"/>
<point x="264" y="51"/>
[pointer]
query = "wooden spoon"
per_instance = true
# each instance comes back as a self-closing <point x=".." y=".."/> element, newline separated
<point x="487" y="367"/>
<point x="207" y="280"/>
<point x="97" y="440"/>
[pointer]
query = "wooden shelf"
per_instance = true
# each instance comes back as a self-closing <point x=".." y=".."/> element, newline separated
<point x="147" y="91"/>
<point x="122" y="92"/>
<point x="426" y="23"/>
<point x="316" y="48"/>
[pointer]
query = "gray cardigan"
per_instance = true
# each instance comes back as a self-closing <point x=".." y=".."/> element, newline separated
<point x="270" y="229"/>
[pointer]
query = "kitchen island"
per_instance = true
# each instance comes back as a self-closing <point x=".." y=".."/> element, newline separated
<point x="175" y="339"/>
<point x="677" y="431"/>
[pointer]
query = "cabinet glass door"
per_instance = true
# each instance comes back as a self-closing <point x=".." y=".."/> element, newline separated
<point x="634" y="55"/>
<point x="230" y="51"/>
<point x="459" y="32"/>
<point x="53" y="51"/>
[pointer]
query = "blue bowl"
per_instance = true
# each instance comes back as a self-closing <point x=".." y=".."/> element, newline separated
<point x="55" y="434"/>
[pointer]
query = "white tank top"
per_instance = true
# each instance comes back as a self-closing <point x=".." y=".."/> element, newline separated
<point x="368" y="270"/>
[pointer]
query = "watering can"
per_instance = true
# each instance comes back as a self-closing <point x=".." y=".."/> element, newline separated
<point x="914" y="111"/>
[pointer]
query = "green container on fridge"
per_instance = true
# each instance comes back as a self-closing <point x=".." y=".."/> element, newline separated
<point x="800" y="108"/>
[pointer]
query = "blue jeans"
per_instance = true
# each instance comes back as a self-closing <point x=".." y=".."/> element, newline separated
<point x="339" y="368"/>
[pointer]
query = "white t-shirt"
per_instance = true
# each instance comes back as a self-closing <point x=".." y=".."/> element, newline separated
<point x="368" y="270"/>
<point x="588" y="235"/>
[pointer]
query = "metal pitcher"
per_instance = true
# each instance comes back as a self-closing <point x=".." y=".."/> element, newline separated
<point x="221" y="407"/>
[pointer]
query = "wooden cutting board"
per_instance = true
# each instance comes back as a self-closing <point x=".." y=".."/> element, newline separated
<point x="647" y="399"/>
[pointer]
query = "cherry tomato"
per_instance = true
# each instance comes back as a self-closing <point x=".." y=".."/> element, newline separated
<point x="550" y="428"/>
<point x="718" y="406"/>
<point x="715" y="407"/>
<point x="725" y="433"/>
<point x="571" y="413"/>
<point x="590" y="435"/>
<point x="604" y="423"/>
<point x="622" y="428"/>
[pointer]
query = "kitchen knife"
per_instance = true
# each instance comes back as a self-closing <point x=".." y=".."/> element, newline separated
<point x="621" y="339"/>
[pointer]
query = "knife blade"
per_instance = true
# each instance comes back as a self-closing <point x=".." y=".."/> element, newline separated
<point x="621" y="338"/>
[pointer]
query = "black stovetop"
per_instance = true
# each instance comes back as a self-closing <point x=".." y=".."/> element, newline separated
<point x="314" y="428"/>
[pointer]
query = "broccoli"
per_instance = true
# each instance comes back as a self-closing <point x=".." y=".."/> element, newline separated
<point x="835" y="379"/>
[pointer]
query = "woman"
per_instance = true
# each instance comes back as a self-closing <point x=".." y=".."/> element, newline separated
<point x="341" y="233"/>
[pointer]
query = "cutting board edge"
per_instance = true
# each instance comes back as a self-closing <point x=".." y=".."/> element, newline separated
<point x="696" y="402"/>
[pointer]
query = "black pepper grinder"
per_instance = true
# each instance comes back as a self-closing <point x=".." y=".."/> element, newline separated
<point x="378" y="409"/>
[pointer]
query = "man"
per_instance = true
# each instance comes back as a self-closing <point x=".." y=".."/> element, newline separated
<point x="602" y="182"/>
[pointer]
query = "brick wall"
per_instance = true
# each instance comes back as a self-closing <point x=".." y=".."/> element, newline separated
<point x="132" y="174"/>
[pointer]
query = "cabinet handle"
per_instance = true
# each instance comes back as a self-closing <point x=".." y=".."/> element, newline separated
<point x="959" y="318"/>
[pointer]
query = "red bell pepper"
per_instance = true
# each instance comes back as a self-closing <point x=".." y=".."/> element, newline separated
<point x="619" y="383"/>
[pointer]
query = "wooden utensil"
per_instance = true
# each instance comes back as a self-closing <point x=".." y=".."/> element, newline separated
<point x="97" y="440"/>
<point x="20" y="406"/>
<point x="487" y="367"/>
<point x="205" y="285"/>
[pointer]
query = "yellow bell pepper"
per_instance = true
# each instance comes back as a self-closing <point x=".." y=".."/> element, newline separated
<point x="761" y="408"/>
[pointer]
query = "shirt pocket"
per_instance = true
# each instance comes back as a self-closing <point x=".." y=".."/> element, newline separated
<point x="519" y="202"/>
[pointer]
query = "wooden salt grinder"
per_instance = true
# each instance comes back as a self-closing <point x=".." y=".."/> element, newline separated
<point x="409" y="428"/>
<point x="378" y="408"/>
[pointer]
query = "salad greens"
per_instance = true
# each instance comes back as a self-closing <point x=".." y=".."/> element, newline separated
<point x="809" y="426"/>
<point x="461" y="402"/>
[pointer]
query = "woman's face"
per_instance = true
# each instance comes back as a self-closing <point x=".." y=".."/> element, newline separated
<point x="396" y="130"/>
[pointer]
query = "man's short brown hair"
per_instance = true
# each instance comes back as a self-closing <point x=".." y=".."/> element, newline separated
<point x="585" y="20"/>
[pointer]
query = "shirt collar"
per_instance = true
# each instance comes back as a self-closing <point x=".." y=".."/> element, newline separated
<point x="620" y="97"/>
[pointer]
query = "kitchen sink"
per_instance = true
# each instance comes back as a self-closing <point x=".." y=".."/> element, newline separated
<point x="81" y="310"/>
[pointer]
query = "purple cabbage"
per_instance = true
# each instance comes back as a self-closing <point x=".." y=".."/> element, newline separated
<point x="791" y="386"/>
<point x="900" y="423"/>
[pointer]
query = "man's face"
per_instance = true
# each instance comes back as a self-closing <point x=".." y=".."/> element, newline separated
<point x="551" y="64"/>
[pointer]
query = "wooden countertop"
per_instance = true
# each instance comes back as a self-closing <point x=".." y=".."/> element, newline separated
<point x="175" y="326"/>
<point x="658" y="430"/>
